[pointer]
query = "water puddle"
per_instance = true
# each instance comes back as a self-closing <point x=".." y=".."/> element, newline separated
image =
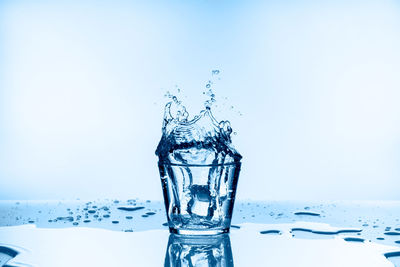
<point x="394" y="257"/>
<point x="265" y="223"/>
<point x="248" y="245"/>
<point x="6" y="254"/>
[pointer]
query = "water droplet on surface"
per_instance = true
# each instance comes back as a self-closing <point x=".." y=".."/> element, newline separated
<point x="321" y="232"/>
<point x="354" y="239"/>
<point x="270" y="232"/>
<point x="309" y="213"/>
<point x="391" y="233"/>
<point x="127" y="208"/>
<point x="69" y="219"/>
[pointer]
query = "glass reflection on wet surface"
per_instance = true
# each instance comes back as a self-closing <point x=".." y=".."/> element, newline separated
<point x="199" y="251"/>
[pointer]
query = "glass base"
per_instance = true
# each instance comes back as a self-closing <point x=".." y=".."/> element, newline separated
<point x="198" y="232"/>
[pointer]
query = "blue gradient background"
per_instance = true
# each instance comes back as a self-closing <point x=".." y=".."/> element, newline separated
<point x="82" y="85"/>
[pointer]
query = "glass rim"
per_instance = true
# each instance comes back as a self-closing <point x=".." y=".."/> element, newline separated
<point x="200" y="165"/>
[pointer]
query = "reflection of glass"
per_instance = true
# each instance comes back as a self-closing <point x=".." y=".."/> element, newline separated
<point x="199" y="251"/>
<point x="199" y="198"/>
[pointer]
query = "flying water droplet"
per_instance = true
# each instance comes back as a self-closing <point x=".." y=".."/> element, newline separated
<point x="214" y="72"/>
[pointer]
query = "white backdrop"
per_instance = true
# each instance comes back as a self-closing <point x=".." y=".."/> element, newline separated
<point x="82" y="85"/>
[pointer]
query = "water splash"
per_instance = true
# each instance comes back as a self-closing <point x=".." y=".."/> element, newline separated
<point x="201" y="140"/>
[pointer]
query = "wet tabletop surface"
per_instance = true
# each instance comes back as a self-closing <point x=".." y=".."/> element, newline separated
<point x="131" y="232"/>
